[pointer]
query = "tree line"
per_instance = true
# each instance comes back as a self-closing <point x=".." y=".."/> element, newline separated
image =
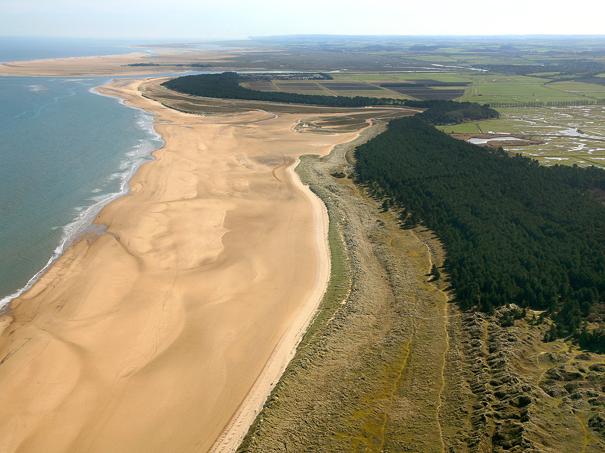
<point x="227" y="85"/>
<point x="514" y="231"/>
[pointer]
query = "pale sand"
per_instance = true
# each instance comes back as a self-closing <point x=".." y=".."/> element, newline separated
<point x="152" y="336"/>
<point x="109" y="64"/>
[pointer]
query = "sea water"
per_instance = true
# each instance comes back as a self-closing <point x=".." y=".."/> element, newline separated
<point x="64" y="153"/>
<point x="15" y="49"/>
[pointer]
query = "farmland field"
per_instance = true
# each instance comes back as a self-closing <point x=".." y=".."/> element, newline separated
<point x="352" y="86"/>
<point x="464" y="85"/>
<point x="491" y="88"/>
<point x="392" y="76"/>
<point x="590" y="90"/>
<point x="332" y="88"/>
<point x="424" y="91"/>
<point x="503" y="88"/>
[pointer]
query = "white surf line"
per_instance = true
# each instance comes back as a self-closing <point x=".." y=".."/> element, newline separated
<point x="78" y="226"/>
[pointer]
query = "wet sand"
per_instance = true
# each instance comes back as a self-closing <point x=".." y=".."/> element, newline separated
<point x="177" y="320"/>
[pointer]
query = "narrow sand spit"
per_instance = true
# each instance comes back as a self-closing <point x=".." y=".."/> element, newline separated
<point x="175" y="323"/>
<point x="110" y="64"/>
<point x="77" y="66"/>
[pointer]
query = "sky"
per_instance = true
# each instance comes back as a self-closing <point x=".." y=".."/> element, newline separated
<point x="217" y="19"/>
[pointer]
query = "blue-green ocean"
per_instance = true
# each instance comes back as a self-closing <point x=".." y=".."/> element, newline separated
<point x="64" y="153"/>
<point x="22" y="48"/>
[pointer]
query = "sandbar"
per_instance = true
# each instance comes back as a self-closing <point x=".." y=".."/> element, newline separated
<point x="133" y="63"/>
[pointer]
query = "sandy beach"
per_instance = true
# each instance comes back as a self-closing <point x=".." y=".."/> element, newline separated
<point x="175" y="322"/>
<point x="77" y="66"/>
<point x="133" y="63"/>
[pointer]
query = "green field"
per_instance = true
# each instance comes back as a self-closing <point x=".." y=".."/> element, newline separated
<point x="322" y="88"/>
<point x="485" y="88"/>
<point x="494" y="88"/>
<point x="378" y="77"/>
<point x="589" y="90"/>
<point x="490" y="88"/>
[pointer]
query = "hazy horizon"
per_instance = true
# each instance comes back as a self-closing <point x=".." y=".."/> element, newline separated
<point x="184" y="40"/>
<point x="237" y="19"/>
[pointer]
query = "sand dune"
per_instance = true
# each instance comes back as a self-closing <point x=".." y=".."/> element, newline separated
<point x="150" y="336"/>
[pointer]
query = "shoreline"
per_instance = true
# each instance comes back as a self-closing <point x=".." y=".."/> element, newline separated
<point x="77" y="66"/>
<point x="136" y="63"/>
<point x="236" y="429"/>
<point x="85" y="220"/>
<point x="300" y="314"/>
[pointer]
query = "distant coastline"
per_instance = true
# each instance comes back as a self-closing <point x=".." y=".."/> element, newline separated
<point x="23" y="49"/>
<point x="150" y="281"/>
